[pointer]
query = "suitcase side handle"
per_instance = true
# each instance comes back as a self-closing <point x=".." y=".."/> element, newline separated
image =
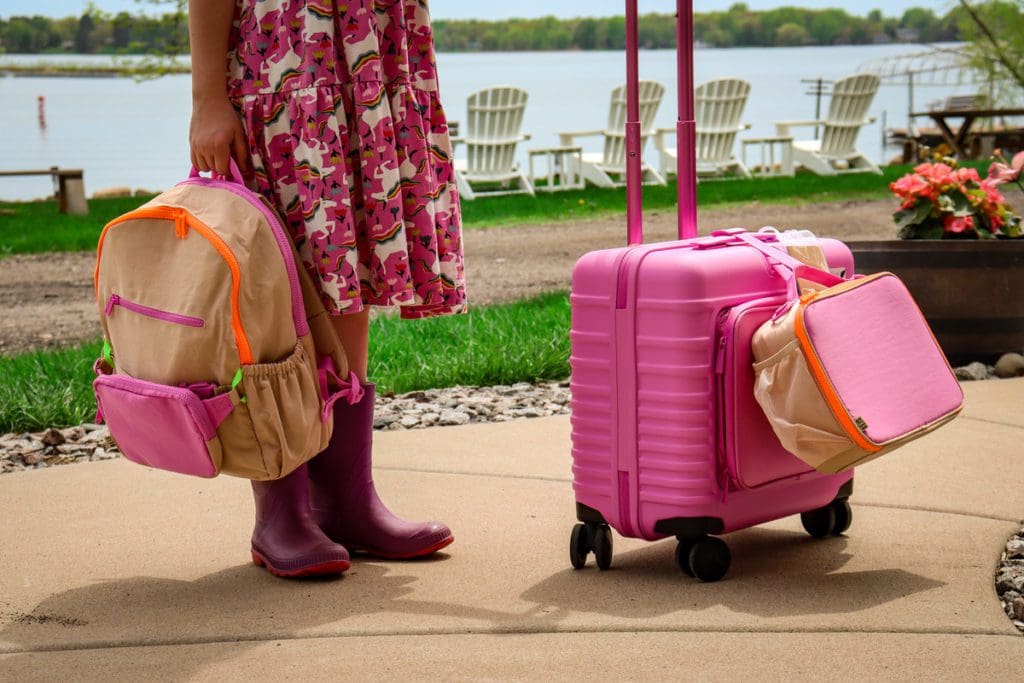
<point x="686" y="164"/>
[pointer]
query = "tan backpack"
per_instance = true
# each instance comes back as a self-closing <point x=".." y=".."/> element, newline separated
<point x="218" y="353"/>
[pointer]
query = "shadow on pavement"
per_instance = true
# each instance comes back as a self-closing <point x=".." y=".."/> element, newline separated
<point x="774" y="573"/>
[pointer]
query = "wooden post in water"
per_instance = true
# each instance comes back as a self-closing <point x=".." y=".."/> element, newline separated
<point x="41" y="100"/>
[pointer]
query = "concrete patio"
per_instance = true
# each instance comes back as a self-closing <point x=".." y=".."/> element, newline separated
<point x="109" y="571"/>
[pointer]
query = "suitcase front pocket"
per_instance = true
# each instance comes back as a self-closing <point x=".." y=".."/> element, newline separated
<point x="169" y="428"/>
<point x="751" y="451"/>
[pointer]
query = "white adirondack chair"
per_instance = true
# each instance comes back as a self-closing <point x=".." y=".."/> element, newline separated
<point x="718" y="111"/>
<point x="608" y="168"/>
<point x="494" y="117"/>
<point x="835" y="152"/>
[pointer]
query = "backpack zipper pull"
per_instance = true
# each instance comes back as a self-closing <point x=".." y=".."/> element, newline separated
<point x="114" y="300"/>
<point x="180" y="225"/>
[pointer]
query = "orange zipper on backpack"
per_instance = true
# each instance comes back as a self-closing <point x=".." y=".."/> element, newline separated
<point x="183" y="220"/>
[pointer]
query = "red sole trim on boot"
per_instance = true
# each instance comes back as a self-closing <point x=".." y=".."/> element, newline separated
<point x="322" y="569"/>
<point x="422" y="552"/>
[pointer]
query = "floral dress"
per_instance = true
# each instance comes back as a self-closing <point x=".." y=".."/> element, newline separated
<point x="349" y="141"/>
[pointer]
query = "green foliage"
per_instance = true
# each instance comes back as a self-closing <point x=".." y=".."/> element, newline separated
<point x="791" y="34"/>
<point x="47" y="389"/>
<point x="96" y="32"/>
<point x="36" y="227"/>
<point x="166" y="36"/>
<point x="738" y="26"/>
<point x="995" y="31"/>
<point x="521" y="342"/>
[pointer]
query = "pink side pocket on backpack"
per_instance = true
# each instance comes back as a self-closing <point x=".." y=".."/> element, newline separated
<point x="169" y="428"/>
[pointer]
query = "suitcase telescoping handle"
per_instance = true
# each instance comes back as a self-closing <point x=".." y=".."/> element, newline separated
<point x="686" y="169"/>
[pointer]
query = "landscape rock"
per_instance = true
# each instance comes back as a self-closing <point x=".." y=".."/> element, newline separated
<point x="1010" y="365"/>
<point x="453" y="417"/>
<point x="1017" y="609"/>
<point x="1010" y="580"/>
<point x="974" y="371"/>
<point x="52" y="437"/>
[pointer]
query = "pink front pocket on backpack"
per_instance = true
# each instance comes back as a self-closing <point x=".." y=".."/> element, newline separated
<point x="169" y="428"/>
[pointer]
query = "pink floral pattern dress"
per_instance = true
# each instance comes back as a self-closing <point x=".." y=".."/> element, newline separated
<point x="349" y="141"/>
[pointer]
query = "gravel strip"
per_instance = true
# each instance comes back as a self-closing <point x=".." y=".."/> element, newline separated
<point x="415" y="410"/>
<point x="1010" y="579"/>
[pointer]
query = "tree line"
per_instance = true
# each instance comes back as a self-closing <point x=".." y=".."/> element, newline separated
<point x="739" y="26"/>
<point x="95" y="32"/>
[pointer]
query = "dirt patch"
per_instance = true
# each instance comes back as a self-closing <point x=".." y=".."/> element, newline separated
<point x="504" y="264"/>
<point x="48" y="299"/>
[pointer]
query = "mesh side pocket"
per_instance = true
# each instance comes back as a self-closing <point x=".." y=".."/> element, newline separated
<point x="795" y="408"/>
<point x="280" y="426"/>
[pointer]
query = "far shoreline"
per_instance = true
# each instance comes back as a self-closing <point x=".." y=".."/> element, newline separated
<point x="72" y="71"/>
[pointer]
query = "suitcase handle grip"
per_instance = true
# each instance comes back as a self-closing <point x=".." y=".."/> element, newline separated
<point x="686" y="168"/>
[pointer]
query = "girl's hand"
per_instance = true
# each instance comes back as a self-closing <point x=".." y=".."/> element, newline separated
<point x="216" y="135"/>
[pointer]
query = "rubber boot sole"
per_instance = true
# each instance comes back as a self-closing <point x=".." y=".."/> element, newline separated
<point x="422" y="552"/>
<point x="330" y="568"/>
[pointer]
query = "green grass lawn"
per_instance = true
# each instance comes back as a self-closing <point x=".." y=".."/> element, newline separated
<point x="37" y="227"/>
<point x="521" y="342"/>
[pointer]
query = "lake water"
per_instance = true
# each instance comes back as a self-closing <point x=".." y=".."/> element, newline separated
<point x="136" y="134"/>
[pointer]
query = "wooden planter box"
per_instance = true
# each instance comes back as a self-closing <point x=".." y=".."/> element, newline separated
<point x="971" y="291"/>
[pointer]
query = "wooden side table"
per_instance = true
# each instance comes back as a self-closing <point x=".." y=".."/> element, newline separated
<point x="777" y="149"/>
<point x="562" y="166"/>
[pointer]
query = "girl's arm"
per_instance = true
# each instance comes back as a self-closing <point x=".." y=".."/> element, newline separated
<point x="215" y="133"/>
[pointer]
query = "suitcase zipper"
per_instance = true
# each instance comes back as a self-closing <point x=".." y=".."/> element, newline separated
<point x="725" y="475"/>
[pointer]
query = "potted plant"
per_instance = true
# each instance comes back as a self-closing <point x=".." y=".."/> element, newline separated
<point x="960" y="255"/>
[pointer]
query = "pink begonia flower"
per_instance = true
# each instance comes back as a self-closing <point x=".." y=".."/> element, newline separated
<point x="999" y="173"/>
<point x="936" y="173"/>
<point x="963" y="175"/>
<point x="991" y="193"/>
<point x="958" y="224"/>
<point x="911" y="186"/>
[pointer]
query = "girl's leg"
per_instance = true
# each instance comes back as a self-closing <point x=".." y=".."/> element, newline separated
<point x="344" y="499"/>
<point x="354" y="332"/>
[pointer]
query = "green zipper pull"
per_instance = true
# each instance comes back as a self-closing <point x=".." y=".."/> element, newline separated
<point x="235" y="381"/>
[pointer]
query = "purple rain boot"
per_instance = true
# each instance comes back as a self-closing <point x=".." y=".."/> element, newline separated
<point x="285" y="539"/>
<point x="345" y="502"/>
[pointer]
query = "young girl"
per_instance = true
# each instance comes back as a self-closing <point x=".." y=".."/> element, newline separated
<point x="331" y="110"/>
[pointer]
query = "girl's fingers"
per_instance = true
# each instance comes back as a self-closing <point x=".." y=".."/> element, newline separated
<point x="240" y="151"/>
<point x="221" y="160"/>
<point x="205" y="164"/>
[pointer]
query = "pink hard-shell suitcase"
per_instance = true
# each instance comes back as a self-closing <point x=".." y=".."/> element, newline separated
<point x="667" y="438"/>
